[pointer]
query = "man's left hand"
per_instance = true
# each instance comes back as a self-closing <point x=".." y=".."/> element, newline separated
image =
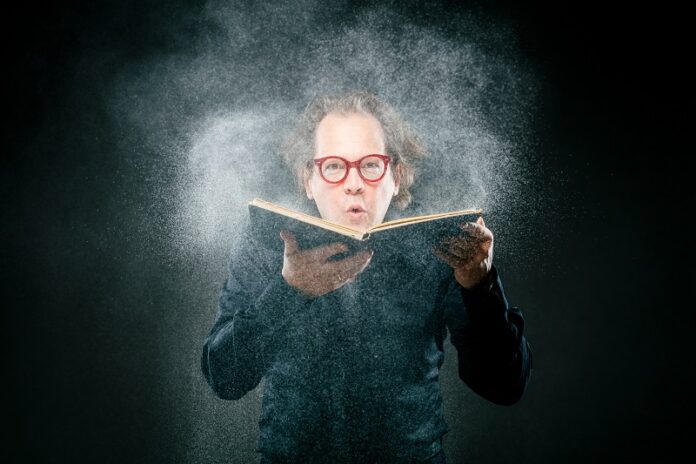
<point x="470" y="254"/>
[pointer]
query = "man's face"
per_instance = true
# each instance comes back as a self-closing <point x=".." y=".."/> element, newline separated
<point x="354" y="202"/>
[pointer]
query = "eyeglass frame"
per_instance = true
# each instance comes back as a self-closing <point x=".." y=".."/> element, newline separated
<point x="352" y="164"/>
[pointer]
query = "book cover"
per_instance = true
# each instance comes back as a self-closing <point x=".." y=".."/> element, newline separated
<point x="419" y="232"/>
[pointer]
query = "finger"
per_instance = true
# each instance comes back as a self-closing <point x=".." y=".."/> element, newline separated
<point x="471" y="228"/>
<point x="324" y="252"/>
<point x="467" y="255"/>
<point x="462" y="252"/>
<point x="468" y="245"/>
<point x="452" y="261"/>
<point x="486" y="246"/>
<point x="357" y="263"/>
<point x="467" y="227"/>
<point x="477" y="231"/>
<point x="458" y="243"/>
<point x="351" y="266"/>
<point x="484" y="231"/>
<point x="290" y="243"/>
<point x="461" y="242"/>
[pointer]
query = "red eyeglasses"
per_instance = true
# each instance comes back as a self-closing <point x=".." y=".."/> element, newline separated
<point x="334" y="169"/>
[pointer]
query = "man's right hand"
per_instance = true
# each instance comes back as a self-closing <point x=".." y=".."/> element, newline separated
<point x="311" y="272"/>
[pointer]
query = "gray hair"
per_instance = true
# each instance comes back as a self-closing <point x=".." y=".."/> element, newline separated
<point x="401" y="142"/>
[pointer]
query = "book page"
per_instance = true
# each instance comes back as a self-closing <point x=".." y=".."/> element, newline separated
<point x="417" y="219"/>
<point x="319" y="222"/>
<point x="349" y="231"/>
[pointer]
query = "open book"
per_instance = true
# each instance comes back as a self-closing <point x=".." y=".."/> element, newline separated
<point x="268" y="219"/>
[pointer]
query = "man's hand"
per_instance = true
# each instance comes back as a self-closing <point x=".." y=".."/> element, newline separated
<point x="311" y="272"/>
<point x="469" y="254"/>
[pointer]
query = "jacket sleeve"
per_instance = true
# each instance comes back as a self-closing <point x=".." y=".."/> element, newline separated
<point x="255" y="305"/>
<point x="494" y="358"/>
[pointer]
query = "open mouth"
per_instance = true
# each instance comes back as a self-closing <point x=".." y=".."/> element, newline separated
<point x="355" y="209"/>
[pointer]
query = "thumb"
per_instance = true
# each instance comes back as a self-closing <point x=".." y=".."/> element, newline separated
<point x="290" y="242"/>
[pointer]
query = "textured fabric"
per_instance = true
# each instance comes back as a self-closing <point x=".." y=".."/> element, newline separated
<point x="439" y="458"/>
<point x="352" y="376"/>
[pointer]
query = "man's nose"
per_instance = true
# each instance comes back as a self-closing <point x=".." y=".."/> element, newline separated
<point x="353" y="183"/>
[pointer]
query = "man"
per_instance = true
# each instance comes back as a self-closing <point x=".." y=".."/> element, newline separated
<point x="350" y="349"/>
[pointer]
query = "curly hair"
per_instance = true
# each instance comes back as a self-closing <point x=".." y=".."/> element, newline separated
<point x="401" y="142"/>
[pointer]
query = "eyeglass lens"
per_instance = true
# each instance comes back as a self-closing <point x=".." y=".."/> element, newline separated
<point x="334" y="169"/>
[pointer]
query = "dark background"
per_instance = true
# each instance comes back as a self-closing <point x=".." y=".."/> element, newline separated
<point x="94" y="321"/>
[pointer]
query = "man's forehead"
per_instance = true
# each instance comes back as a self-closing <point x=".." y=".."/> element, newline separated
<point x="350" y="134"/>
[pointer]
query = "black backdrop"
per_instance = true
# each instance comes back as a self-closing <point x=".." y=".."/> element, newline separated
<point x="89" y="378"/>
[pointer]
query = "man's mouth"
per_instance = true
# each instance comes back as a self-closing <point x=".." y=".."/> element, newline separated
<point x="355" y="209"/>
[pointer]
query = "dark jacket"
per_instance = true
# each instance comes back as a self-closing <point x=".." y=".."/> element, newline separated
<point x="352" y="376"/>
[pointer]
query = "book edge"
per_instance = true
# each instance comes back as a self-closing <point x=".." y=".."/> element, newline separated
<point x="308" y="219"/>
<point x="354" y="233"/>
<point x="418" y="219"/>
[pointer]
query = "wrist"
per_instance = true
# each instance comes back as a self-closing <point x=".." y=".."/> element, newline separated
<point x="483" y="285"/>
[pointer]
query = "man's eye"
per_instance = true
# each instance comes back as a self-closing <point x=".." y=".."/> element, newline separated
<point x="332" y="167"/>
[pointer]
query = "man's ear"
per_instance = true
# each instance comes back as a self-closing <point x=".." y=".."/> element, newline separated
<point x="307" y="177"/>
<point x="397" y="179"/>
